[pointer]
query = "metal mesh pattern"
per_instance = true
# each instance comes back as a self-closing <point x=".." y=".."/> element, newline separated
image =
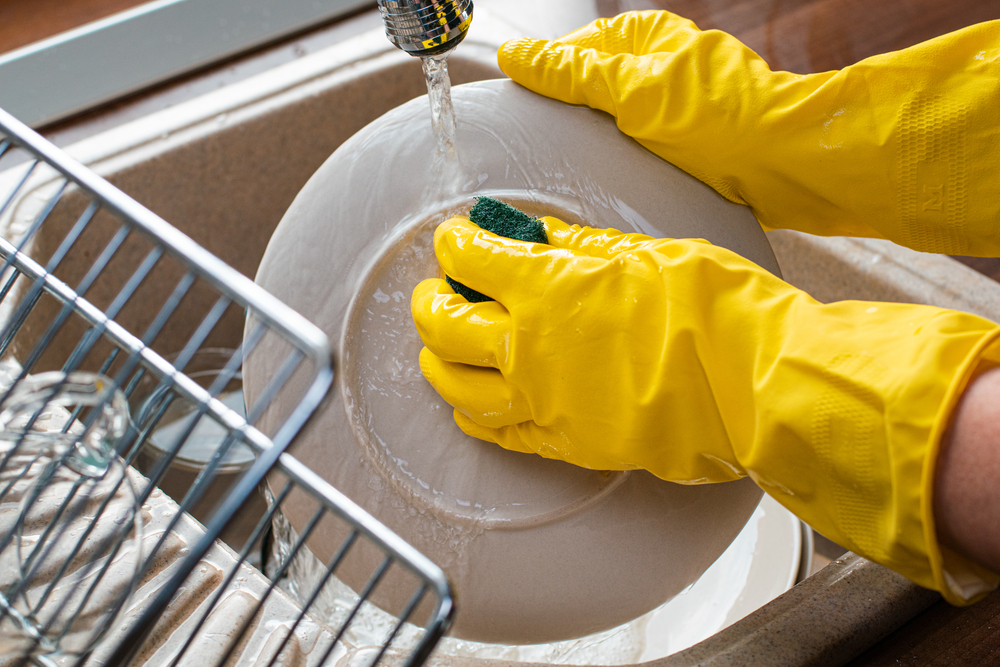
<point x="121" y="348"/>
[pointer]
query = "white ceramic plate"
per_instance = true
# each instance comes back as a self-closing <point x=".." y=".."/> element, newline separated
<point x="538" y="550"/>
<point x="762" y="563"/>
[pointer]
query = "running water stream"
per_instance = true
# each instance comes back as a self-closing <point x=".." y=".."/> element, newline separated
<point x="442" y="110"/>
<point x="445" y="171"/>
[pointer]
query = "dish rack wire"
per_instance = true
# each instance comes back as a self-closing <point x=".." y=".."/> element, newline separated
<point x="126" y="326"/>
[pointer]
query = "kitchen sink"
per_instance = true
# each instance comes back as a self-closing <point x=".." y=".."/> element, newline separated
<point x="224" y="167"/>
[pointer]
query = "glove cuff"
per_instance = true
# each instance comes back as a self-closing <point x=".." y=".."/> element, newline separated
<point x="959" y="580"/>
<point x="849" y="428"/>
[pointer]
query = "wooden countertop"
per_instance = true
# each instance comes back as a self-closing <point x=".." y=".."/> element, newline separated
<point x="942" y="635"/>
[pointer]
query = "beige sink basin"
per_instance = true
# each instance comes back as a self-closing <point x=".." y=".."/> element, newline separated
<point x="224" y="167"/>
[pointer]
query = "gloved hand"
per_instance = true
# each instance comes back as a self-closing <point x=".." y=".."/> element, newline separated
<point x="618" y="351"/>
<point x="902" y="146"/>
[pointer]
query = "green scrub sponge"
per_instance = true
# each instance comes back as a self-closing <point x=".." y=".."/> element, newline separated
<point x="503" y="220"/>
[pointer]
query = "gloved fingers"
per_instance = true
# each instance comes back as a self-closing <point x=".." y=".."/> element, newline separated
<point x="526" y="437"/>
<point x="636" y="33"/>
<point x="566" y="72"/>
<point x="505" y="436"/>
<point x="503" y="269"/>
<point x="599" y="64"/>
<point x="658" y="94"/>
<point x="630" y="88"/>
<point x="591" y="241"/>
<point x="456" y="330"/>
<point x="482" y="394"/>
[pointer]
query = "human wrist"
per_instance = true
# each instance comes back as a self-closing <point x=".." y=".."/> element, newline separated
<point x="967" y="484"/>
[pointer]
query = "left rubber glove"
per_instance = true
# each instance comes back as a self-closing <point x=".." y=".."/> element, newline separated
<point x="903" y="146"/>
<point x="618" y="351"/>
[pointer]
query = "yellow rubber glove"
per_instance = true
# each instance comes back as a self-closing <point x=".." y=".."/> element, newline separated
<point x="903" y="146"/>
<point x="619" y="351"/>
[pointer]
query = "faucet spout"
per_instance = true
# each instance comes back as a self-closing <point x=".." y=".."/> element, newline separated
<point x="426" y="27"/>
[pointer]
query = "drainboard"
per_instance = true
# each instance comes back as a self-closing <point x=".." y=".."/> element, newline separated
<point x="224" y="168"/>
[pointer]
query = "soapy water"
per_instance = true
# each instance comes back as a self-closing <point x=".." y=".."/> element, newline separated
<point x="394" y="412"/>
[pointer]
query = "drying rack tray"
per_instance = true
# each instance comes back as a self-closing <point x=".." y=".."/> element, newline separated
<point x="106" y="312"/>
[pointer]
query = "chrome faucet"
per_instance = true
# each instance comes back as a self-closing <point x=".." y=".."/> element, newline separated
<point x="426" y="27"/>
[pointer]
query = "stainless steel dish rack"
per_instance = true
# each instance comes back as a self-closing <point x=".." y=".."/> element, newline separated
<point x="128" y="356"/>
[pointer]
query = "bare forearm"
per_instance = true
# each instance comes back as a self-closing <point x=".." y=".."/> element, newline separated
<point x="967" y="494"/>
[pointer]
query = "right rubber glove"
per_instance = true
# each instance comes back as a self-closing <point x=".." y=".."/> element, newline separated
<point x="903" y="146"/>
<point x="618" y="351"/>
